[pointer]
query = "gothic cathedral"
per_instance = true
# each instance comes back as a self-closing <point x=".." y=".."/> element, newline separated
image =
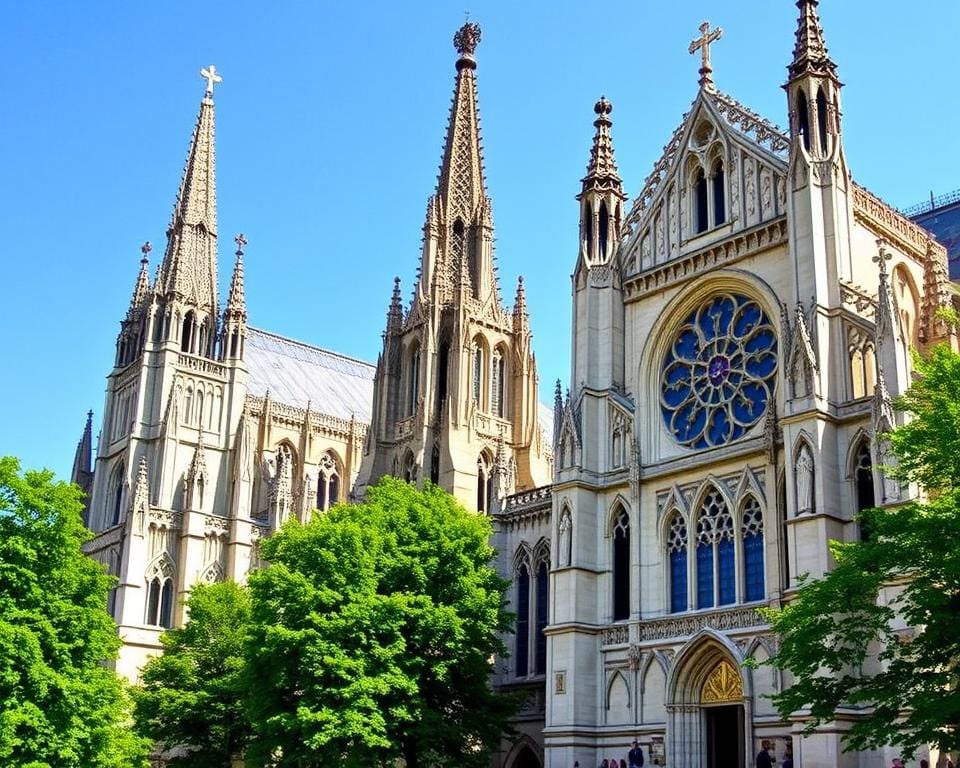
<point x="740" y="329"/>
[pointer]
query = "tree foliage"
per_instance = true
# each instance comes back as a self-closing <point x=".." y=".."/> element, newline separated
<point x="192" y="697"/>
<point x="60" y="705"/>
<point x="881" y="631"/>
<point x="373" y="633"/>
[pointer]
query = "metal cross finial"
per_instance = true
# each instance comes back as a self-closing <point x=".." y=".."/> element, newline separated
<point x="241" y="241"/>
<point x="212" y="77"/>
<point x="145" y="250"/>
<point x="707" y="36"/>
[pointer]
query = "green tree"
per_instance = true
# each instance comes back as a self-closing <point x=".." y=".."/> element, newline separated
<point x="895" y="657"/>
<point x="193" y="695"/>
<point x="374" y="630"/>
<point x="61" y="704"/>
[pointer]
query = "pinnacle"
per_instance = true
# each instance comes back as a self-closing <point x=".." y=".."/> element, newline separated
<point x="142" y="286"/>
<point x="602" y="168"/>
<point x="520" y="303"/>
<point x="810" y="54"/>
<point x="237" y="301"/>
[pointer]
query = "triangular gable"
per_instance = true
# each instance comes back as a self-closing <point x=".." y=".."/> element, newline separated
<point x="716" y="129"/>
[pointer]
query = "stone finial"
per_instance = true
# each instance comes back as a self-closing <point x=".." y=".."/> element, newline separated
<point x="236" y="299"/>
<point x="212" y="77"/>
<point x="467" y="39"/>
<point x="602" y="167"/>
<point x="810" y="54"/>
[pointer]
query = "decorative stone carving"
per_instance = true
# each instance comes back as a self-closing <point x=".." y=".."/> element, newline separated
<point x="565" y="536"/>
<point x="687" y="625"/>
<point x="723" y="685"/>
<point x="618" y="634"/>
<point x="803" y="469"/>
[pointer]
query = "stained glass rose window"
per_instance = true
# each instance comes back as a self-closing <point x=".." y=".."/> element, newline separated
<point x="718" y="373"/>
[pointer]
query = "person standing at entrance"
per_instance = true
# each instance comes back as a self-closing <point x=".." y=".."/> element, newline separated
<point x="763" y="756"/>
<point x="635" y="756"/>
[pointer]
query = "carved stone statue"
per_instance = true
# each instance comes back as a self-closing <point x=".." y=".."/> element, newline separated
<point x="803" y="478"/>
<point x="566" y="539"/>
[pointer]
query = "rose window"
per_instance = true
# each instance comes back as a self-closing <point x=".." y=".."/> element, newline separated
<point x="718" y="374"/>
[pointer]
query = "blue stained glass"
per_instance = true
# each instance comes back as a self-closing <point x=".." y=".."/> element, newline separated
<point x="753" y="568"/>
<point x="727" y="575"/>
<point x="678" y="581"/>
<point x="718" y="375"/>
<point x="704" y="576"/>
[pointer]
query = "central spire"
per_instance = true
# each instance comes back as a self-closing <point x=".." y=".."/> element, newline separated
<point x="189" y="268"/>
<point x="461" y="186"/>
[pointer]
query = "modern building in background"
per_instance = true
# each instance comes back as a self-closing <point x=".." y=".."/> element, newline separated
<point x="941" y="217"/>
<point x="740" y="329"/>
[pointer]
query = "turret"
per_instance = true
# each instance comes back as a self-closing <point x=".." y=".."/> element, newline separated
<point x="133" y="328"/>
<point x="598" y="299"/>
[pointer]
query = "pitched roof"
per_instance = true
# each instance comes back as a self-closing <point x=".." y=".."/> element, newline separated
<point x="297" y="374"/>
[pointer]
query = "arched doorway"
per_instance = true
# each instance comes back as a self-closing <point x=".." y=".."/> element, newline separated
<point x="708" y="709"/>
<point x="525" y="759"/>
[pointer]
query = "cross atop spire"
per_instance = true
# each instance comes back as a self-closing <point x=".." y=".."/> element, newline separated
<point x="236" y="300"/>
<point x="212" y="77"/>
<point x="810" y="54"/>
<point x="702" y="43"/>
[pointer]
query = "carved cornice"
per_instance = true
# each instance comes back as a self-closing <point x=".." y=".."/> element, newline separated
<point x="886" y="221"/>
<point x="521" y="509"/>
<point x="727" y="251"/>
<point x="683" y="626"/>
<point x="201" y="365"/>
<point x="290" y="416"/>
<point x="856" y="299"/>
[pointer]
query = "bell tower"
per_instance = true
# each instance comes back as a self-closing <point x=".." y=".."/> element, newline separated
<point x="455" y="393"/>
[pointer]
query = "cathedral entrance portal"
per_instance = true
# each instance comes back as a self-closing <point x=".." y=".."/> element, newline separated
<point x="724" y="736"/>
<point x="526" y="759"/>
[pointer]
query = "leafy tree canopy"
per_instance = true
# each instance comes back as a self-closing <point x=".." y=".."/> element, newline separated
<point x="192" y="697"/>
<point x="373" y="634"/>
<point x="881" y="631"/>
<point x="60" y="705"/>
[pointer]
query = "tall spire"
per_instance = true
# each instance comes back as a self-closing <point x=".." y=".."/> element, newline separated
<point x="83" y="455"/>
<point x="810" y="52"/>
<point x="461" y="185"/>
<point x="189" y="267"/>
<point x="602" y="173"/>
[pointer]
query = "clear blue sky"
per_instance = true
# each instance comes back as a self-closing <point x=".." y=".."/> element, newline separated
<point x="330" y="122"/>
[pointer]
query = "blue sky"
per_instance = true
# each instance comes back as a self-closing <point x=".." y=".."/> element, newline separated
<point x="330" y="122"/>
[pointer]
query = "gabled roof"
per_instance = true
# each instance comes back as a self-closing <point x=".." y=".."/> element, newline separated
<point x="297" y="374"/>
<point x="750" y="128"/>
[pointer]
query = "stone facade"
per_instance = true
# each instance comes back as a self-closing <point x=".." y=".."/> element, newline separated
<point x="739" y="332"/>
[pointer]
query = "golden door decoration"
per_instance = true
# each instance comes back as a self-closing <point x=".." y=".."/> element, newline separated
<point x="723" y="685"/>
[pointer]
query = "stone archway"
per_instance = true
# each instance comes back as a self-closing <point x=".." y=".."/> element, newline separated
<point x="525" y="758"/>
<point x="709" y="705"/>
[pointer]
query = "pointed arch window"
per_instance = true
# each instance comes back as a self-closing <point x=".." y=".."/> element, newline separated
<point x="784" y="532"/>
<point x="443" y="361"/>
<point x="543" y="588"/>
<point x="621" y="566"/>
<point x="435" y="465"/>
<point x="484" y="484"/>
<point x="186" y="338"/>
<point x="521" y="656"/>
<point x="496" y="383"/>
<point x="117" y="495"/>
<point x="718" y="180"/>
<point x="726" y="560"/>
<point x="409" y="468"/>
<point x="863" y="480"/>
<point x="413" y="390"/>
<point x="822" y="122"/>
<point x="160" y="595"/>
<point x="713" y="525"/>
<point x="328" y="482"/>
<point x="752" y="533"/>
<point x="603" y="230"/>
<point x="677" y="554"/>
<point x="477" y="372"/>
<point x="803" y="119"/>
<point x="588" y="228"/>
<point x="701" y="212"/>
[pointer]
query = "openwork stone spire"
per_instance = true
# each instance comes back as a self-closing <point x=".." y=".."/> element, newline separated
<point x="461" y="185"/>
<point x="520" y="316"/>
<point x="602" y="173"/>
<point x="810" y="52"/>
<point x="189" y="267"/>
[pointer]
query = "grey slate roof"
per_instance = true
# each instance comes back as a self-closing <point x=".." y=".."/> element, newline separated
<point x="296" y="373"/>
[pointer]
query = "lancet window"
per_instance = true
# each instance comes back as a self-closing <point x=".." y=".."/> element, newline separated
<point x="621" y="566"/>
<point x="677" y="557"/>
<point x="863" y="482"/>
<point x="413" y="388"/>
<point x="116" y="494"/>
<point x="496" y="383"/>
<point x="751" y="530"/>
<point x="532" y="605"/>
<point x="160" y="594"/>
<point x="484" y="483"/>
<point x="328" y="481"/>
<point x="477" y="372"/>
<point x="863" y="364"/>
<point x="522" y="654"/>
